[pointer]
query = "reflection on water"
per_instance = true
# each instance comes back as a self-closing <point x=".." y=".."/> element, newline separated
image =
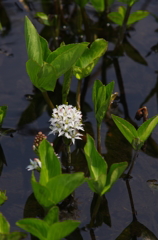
<point x="134" y="74"/>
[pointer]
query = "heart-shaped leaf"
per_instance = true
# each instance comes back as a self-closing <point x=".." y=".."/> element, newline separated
<point x="60" y="230"/>
<point x="64" y="57"/>
<point x="63" y="185"/>
<point x="42" y="193"/>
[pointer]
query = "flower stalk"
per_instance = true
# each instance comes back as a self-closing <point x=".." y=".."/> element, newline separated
<point x="78" y="94"/>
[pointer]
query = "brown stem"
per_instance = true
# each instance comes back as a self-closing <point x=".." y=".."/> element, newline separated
<point x="78" y="94"/>
<point x="47" y="99"/>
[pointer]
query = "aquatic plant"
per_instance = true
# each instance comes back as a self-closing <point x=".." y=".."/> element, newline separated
<point x="136" y="137"/>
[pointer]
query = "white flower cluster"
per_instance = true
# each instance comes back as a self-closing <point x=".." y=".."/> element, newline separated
<point x="66" y="121"/>
<point x="34" y="164"/>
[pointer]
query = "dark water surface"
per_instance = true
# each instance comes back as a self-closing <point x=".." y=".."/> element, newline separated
<point x="138" y="81"/>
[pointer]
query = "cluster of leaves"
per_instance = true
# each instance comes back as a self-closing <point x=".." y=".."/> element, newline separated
<point x="135" y="137"/>
<point x="53" y="187"/>
<point x="118" y="17"/>
<point x="101" y="180"/>
<point x="45" y="67"/>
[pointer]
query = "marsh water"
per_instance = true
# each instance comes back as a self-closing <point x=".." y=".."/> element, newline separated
<point x="28" y="114"/>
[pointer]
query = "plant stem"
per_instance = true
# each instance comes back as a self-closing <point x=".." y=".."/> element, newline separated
<point x="98" y="138"/>
<point x="96" y="208"/>
<point x="131" y="200"/>
<point x="132" y="164"/>
<point x="47" y="99"/>
<point x="121" y="86"/>
<point x="123" y="28"/>
<point x="78" y="94"/>
<point x="92" y="234"/>
<point x="69" y="155"/>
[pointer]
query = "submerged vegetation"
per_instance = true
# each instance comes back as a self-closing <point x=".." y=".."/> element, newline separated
<point x="54" y="177"/>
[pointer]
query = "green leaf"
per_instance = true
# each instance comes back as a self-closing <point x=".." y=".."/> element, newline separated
<point x="101" y="96"/>
<point x="115" y="172"/>
<point x="98" y="5"/>
<point x="109" y="91"/>
<point x="99" y="99"/>
<point x="3" y="197"/>
<point x="57" y="63"/>
<point x="97" y="87"/>
<point x="63" y="58"/>
<point x="42" y="193"/>
<point x="89" y="58"/>
<point x="122" y="11"/>
<point x="32" y="69"/>
<point x="43" y="18"/>
<point x="60" y="230"/>
<point x="81" y="3"/>
<point x="4" y="225"/>
<point x="63" y="185"/>
<point x="137" y="16"/>
<point x="116" y="17"/>
<point x="96" y="164"/>
<point x="33" y="43"/>
<point x="50" y="163"/>
<point x="52" y="216"/>
<point x="93" y="185"/>
<point x="127" y="129"/>
<point x="36" y="227"/>
<point x="45" y="48"/>
<point x="98" y="185"/>
<point x="3" y="110"/>
<point x="147" y="128"/>
<point x="47" y="77"/>
<point x="13" y="236"/>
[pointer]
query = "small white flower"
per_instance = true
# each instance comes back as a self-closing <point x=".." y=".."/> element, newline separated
<point x="36" y="163"/>
<point x="66" y="121"/>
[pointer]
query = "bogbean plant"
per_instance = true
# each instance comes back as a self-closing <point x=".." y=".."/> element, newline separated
<point x="44" y="68"/>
